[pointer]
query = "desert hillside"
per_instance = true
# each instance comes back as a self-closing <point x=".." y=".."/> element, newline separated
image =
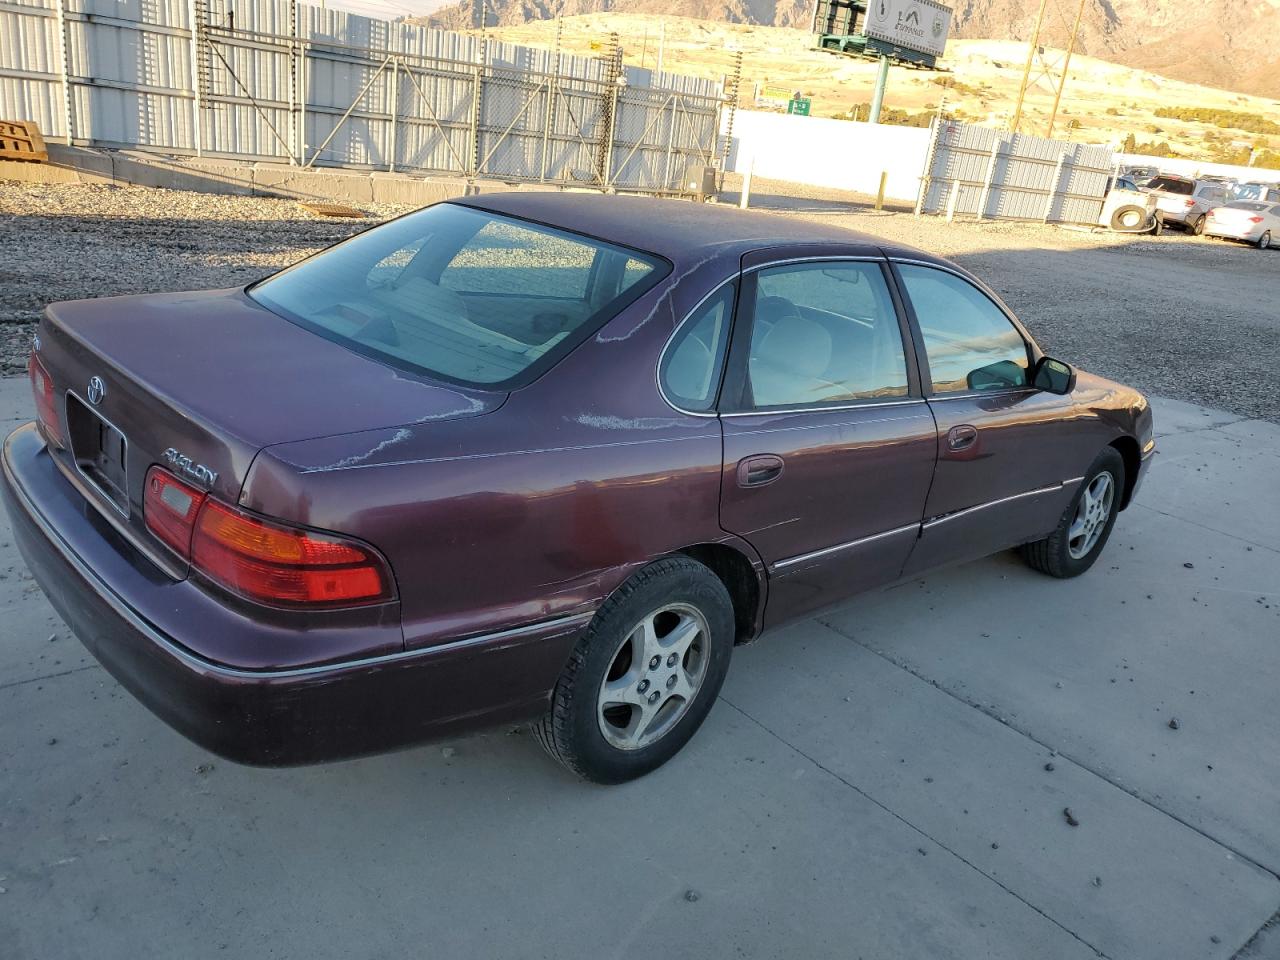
<point x="1102" y="102"/>
<point x="1227" y="43"/>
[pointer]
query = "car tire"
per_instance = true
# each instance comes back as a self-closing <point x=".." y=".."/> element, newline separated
<point x="1128" y="218"/>
<point x="605" y="740"/>
<point x="1069" y="552"/>
<point x="1264" y="241"/>
<point x="1157" y="226"/>
<point x="1197" y="228"/>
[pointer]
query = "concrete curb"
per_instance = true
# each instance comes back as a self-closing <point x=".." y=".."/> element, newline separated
<point x="68" y="164"/>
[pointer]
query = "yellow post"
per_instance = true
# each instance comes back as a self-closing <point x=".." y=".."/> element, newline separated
<point x="884" y="177"/>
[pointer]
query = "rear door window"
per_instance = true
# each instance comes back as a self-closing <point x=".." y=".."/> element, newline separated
<point x="824" y="333"/>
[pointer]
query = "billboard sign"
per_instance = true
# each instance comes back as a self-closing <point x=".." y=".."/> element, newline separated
<point x="920" y="25"/>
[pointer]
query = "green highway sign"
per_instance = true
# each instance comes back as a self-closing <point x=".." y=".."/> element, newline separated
<point x="799" y="106"/>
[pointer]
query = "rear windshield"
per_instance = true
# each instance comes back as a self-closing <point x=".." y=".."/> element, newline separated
<point x="461" y="294"/>
<point x="1170" y="185"/>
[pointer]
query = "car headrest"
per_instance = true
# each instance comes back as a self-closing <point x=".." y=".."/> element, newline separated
<point x="799" y="346"/>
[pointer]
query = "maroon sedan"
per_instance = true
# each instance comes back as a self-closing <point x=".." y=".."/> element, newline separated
<point x="535" y="457"/>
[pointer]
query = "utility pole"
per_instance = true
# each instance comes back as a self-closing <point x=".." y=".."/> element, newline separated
<point x="1026" y="72"/>
<point x="877" y="97"/>
<point x="1066" y="65"/>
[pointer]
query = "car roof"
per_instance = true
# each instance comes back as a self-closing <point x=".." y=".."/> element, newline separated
<point x="678" y="229"/>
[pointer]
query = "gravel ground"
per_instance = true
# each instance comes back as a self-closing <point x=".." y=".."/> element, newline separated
<point x="1189" y="318"/>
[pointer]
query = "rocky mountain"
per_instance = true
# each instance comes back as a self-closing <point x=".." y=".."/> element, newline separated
<point x="1230" y="44"/>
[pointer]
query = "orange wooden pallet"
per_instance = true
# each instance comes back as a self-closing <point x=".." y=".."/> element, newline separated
<point x="21" y="140"/>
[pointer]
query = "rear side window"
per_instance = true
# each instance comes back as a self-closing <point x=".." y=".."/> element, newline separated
<point x="693" y="362"/>
<point x="969" y="342"/>
<point x="462" y="294"/>
<point x="824" y="333"/>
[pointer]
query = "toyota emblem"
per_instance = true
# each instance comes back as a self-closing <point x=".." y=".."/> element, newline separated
<point x="97" y="390"/>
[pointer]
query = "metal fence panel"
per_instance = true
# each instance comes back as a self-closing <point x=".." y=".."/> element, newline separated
<point x="281" y="80"/>
<point x="984" y="172"/>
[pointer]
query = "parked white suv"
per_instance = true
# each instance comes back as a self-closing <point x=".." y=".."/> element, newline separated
<point x="1185" y="202"/>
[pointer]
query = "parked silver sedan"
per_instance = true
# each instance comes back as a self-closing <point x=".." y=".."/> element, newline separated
<point x="1253" y="221"/>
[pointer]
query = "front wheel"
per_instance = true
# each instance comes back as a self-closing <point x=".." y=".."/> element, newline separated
<point x="1264" y="241"/>
<point x="1083" y="530"/>
<point x="643" y="675"/>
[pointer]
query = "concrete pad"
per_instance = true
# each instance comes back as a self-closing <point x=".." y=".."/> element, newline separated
<point x="1129" y="881"/>
<point x="1096" y="667"/>
<point x="121" y="834"/>
<point x="1224" y="481"/>
<point x="805" y="825"/>
<point x="1178" y="416"/>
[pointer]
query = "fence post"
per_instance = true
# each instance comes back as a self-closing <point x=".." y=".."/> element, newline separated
<point x="730" y="92"/>
<point x="395" y="113"/>
<point x="549" y="116"/>
<point x="926" y="175"/>
<point x="986" y="182"/>
<point x="197" y="127"/>
<point x="745" y="199"/>
<point x="64" y="55"/>
<point x="477" y="98"/>
<point x="609" y="112"/>
<point x="952" y="199"/>
<point x="1053" y="187"/>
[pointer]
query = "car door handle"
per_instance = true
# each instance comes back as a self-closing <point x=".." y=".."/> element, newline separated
<point x="962" y="437"/>
<point x="758" y="470"/>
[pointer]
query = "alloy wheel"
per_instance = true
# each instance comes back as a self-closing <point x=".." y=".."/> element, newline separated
<point x="1091" y="517"/>
<point x="654" y="676"/>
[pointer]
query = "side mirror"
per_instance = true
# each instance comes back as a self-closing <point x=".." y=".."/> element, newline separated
<point x="1053" y="376"/>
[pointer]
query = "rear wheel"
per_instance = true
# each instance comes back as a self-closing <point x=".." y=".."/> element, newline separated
<point x="1085" y="525"/>
<point x="1197" y="228"/>
<point x="644" y="674"/>
<point x="1264" y="241"/>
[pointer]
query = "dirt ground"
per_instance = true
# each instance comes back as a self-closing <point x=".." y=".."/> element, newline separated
<point x="1190" y="318"/>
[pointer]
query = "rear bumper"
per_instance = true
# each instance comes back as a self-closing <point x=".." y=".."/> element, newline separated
<point x="267" y="717"/>
<point x="1231" y="232"/>
<point x="1179" y="215"/>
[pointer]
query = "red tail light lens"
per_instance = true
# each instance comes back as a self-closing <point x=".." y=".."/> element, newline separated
<point x="277" y="564"/>
<point x="170" y="508"/>
<point x="1255" y="219"/>
<point x="1189" y="203"/>
<point x="42" y="390"/>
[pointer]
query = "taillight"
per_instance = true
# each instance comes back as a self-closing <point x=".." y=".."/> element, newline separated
<point x="278" y="564"/>
<point x="1189" y="203"/>
<point x="170" y="508"/>
<point x="1255" y="219"/>
<point x="42" y="389"/>
<point x="261" y="559"/>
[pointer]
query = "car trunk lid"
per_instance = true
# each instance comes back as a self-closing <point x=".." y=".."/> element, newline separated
<point x="200" y="382"/>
